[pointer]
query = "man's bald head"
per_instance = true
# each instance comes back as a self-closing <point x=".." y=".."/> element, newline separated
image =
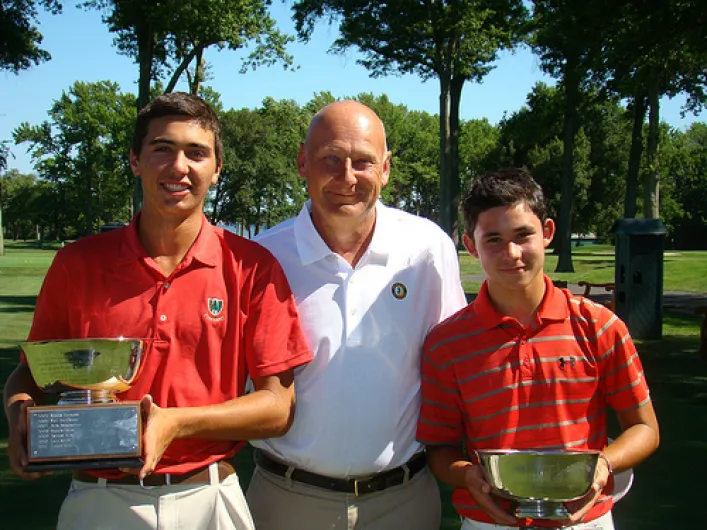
<point x="344" y="114"/>
<point x="346" y="164"/>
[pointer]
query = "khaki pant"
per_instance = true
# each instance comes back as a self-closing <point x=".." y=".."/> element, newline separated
<point x="605" y="522"/>
<point x="281" y="504"/>
<point x="104" y="506"/>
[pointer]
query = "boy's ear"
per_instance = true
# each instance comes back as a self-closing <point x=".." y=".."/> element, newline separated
<point x="134" y="163"/>
<point x="469" y="245"/>
<point x="214" y="178"/>
<point x="548" y="232"/>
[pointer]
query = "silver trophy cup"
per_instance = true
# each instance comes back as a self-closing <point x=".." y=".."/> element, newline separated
<point x="540" y="482"/>
<point x="88" y="427"/>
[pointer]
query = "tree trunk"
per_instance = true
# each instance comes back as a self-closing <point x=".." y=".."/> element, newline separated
<point x="634" y="161"/>
<point x="651" y="185"/>
<point x="564" y="225"/>
<point x="145" y="43"/>
<point x="2" y="234"/>
<point x="217" y="199"/>
<point x="180" y="69"/>
<point x="445" y="180"/>
<point x="455" y="185"/>
<point x="89" y="204"/>
<point x="198" y="72"/>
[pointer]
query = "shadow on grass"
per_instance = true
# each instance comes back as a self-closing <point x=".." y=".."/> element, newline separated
<point x="17" y="304"/>
<point x="26" y="504"/>
<point x="8" y="361"/>
<point x="594" y="260"/>
<point x="8" y="310"/>
<point x="33" y="245"/>
<point x="670" y="484"/>
<point x="31" y="504"/>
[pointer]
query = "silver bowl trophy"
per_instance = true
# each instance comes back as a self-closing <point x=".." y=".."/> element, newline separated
<point x="540" y="482"/>
<point x="88" y="428"/>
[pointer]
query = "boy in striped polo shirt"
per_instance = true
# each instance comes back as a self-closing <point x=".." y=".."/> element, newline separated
<point x="528" y="366"/>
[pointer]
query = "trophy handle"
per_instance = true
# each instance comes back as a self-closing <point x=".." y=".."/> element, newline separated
<point x="135" y="364"/>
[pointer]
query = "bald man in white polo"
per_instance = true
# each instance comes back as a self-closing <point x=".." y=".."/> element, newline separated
<point x="369" y="282"/>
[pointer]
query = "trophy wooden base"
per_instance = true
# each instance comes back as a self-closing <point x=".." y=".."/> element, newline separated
<point x="63" y="465"/>
<point x="93" y="436"/>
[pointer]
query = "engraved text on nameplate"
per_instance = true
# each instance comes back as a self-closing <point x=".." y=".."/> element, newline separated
<point x="90" y="431"/>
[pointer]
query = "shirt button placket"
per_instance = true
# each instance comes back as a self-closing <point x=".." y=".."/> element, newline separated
<point x="523" y="354"/>
<point x="160" y="304"/>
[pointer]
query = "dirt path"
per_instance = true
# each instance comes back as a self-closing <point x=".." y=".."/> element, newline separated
<point x="678" y="301"/>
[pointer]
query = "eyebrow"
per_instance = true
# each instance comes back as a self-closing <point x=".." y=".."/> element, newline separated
<point x="357" y="153"/>
<point x="525" y="228"/>
<point x="162" y="140"/>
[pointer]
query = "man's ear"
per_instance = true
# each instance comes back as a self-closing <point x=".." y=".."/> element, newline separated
<point x="302" y="161"/>
<point x="548" y="232"/>
<point x="134" y="163"/>
<point x="469" y="245"/>
<point x="386" y="168"/>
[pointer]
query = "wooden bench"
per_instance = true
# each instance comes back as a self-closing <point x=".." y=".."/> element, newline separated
<point x="588" y="286"/>
<point x="702" y="310"/>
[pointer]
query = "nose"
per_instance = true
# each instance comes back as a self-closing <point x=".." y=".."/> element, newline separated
<point x="349" y="172"/>
<point x="514" y="250"/>
<point x="180" y="162"/>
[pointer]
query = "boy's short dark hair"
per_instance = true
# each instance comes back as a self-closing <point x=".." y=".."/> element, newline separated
<point x="178" y="104"/>
<point x="504" y="187"/>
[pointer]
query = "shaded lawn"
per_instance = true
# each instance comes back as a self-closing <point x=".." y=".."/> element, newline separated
<point x="668" y="485"/>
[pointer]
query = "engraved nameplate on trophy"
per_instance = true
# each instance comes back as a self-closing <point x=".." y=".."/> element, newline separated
<point x="88" y="427"/>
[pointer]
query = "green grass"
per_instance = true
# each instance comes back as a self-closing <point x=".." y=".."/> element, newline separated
<point x="668" y="487"/>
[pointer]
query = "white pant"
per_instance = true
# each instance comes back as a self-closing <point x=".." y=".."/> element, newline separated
<point x="101" y="506"/>
<point x="605" y="522"/>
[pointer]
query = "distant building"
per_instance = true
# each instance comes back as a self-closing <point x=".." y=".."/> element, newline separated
<point x="582" y="240"/>
<point x="113" y="225"/>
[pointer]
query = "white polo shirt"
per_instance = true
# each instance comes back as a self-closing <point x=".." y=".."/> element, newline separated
<point x="358" y="401"/>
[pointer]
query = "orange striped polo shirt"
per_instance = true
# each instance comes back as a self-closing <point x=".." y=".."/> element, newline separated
<point x="490" y="383"/>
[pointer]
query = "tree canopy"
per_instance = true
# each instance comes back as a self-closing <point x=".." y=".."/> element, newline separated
<point x="451" y="41"/>
<point x="20" y="39"/>
<point x="82" y="150"/>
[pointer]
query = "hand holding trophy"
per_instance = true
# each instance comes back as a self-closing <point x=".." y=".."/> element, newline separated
<point x="88" y="428"/>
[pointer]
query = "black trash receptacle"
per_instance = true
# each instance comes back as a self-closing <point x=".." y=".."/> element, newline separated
<point x="639" y="276"/>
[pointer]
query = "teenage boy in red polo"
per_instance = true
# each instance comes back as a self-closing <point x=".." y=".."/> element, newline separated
<point x="527" y="366"/>
<point x="217" y="309"/>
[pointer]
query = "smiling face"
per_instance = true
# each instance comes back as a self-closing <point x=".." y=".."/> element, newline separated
<point x="510" y="243"/>
<point x="345" y="163"/>
<point x="177" y="163"/>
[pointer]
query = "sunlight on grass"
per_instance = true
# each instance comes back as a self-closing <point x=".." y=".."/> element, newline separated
<point x="683" y="271"/>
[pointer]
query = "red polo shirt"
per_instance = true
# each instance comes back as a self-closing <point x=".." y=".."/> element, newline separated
<point x="491" y="383"/>
<point x="225" y="313"/>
